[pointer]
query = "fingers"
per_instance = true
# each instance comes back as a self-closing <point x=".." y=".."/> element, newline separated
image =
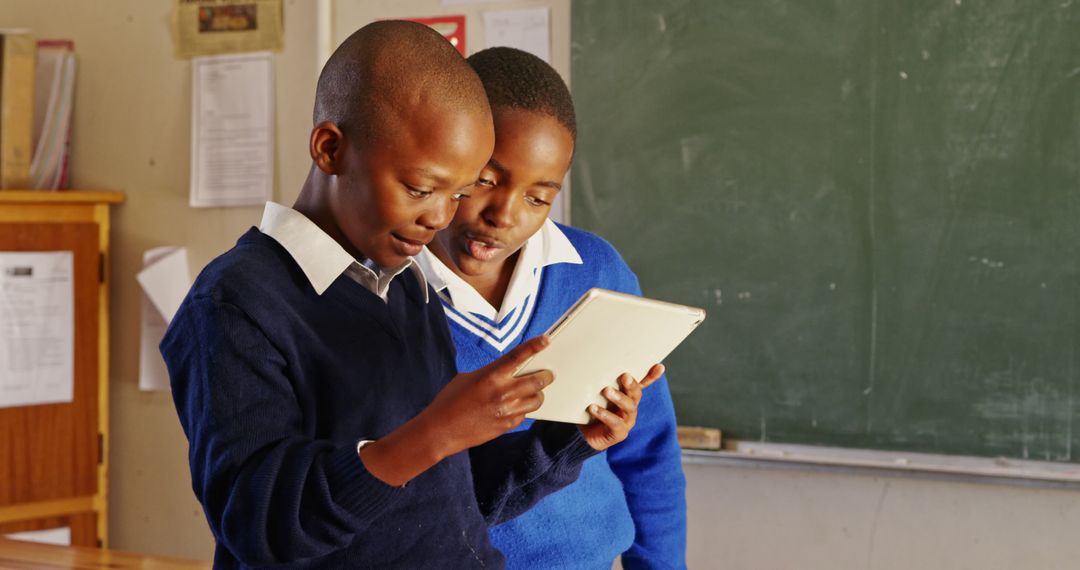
<point x="511" y="361"/>
<point x="654" y="374"/>
<point x="530" y="384"/>
<point x="631" y="387"/>
<point x="624" y="401"/>
<point x="616" y="425"/>
<point x="515" y="410"/>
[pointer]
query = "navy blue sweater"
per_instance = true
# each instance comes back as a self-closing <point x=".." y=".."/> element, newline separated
<point x="274" y="385"/>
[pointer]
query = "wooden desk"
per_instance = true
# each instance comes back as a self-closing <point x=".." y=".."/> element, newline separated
<point x="15" y="554"/>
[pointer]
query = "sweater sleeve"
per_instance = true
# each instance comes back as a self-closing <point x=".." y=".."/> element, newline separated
<point x="271" y="494"/>
<point x="514" y="471"/>
<point x="649" y="465"/>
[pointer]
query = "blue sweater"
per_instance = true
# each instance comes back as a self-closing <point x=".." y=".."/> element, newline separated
<point x="275" y="384"/>
<point x="629" y="500"/>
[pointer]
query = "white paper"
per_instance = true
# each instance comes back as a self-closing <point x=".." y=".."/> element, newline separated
<point x="232" y="130"/>
<point x="165" y="280"/>
<point x="37" y="328"/>
<point x="528" y="30"/>
<point x="58" y="536"/>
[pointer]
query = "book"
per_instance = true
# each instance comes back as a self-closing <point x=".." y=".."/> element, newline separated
<point x="17" y="55"/>
<point x="53" y="100"/>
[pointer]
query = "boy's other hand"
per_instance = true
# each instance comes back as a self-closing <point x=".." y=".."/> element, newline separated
<point x="613" y="424"/>
<point x="476" y="407"/>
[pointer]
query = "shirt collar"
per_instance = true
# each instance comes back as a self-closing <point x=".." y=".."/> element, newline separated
<point x="547" y="246"/>
<point x="321" y="258"/>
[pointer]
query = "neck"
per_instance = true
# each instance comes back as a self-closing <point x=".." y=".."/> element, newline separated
<point x="493" y="285"/>
<point x="314" y="203"/>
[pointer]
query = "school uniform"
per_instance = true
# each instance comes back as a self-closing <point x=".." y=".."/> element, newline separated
<point x="629" y="500"/>
<point x="285" y="354"/>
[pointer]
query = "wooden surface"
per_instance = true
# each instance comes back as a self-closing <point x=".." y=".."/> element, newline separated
<point x="31" y="556"/>
<point x="53" y="450"/>
<point x="699" y="438"/>
<point x="61" y="197"/>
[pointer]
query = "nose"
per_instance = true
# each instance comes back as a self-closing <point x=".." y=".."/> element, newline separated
<point x="499" y="209"/>
<point x="440" y="213"/>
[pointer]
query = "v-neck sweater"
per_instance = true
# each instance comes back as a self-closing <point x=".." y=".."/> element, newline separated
<point x="629" y="500"/>
<point x="275" y="384"/>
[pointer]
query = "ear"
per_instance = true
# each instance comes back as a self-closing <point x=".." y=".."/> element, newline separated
<point x="325" y="146"/>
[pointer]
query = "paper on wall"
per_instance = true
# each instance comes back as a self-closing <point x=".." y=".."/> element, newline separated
<point x="232" y="130"/>
<point x="165" y="280"/>
<point x="528" y="30"/>
<point x="37" y="328"/>
<point x="58" y="536"/>
<point x="212" y="27"/>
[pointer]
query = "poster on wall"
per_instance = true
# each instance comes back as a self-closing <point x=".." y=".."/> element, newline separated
<point x="528" y="30"/>
<point x="232" y="130"/>
<point x="211" y="27"/>
<point x="37" y="328"/>
<point x="451" y="27"/>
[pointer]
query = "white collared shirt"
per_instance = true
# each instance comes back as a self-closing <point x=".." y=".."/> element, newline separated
<point x="322" y="259"/>
<point x="499" y="327"/>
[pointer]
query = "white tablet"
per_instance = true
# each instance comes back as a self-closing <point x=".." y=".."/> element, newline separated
<point x="602" y="336"/>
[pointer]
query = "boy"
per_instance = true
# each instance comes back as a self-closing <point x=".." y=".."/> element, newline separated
<point x="505" y="272"/>
<point x="313" y="377"/>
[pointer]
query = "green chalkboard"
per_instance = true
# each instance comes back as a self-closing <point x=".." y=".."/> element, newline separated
<point x="877" y="201"/>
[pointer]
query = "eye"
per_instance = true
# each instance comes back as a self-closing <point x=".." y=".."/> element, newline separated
<point x="534" y="201"/>
<point x="459" y="196"/>
<point x="485" y="182"/>
<point x="417" y="192"/>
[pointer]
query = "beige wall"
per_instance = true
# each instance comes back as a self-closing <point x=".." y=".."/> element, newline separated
<point x="132" y="134"/>
<point x="773" y="518"/>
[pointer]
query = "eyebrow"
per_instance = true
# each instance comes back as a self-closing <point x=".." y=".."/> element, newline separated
<point x="430" y="175"/>
<point x="502" y="170"/>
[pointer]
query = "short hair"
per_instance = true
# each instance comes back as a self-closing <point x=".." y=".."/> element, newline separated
<point x="520" y="80"/>
<point x="384" y="69"/>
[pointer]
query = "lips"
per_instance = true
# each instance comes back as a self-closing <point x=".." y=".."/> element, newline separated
<point x="482" y="247"/>
<point x="410" y="246"/>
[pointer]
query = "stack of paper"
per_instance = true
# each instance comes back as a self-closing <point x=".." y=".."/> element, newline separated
<point x="54" y="91"/>
<point x="16" y="107"/>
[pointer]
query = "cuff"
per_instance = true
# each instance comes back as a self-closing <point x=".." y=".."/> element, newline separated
<point x="354" y="488"/>
<point x="570" y="448"/>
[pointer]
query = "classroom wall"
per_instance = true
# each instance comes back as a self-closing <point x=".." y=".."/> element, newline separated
<point x="785" y="517"/>
<point x="132" y="134"/>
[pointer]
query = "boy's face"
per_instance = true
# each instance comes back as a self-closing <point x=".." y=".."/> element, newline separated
<point x="513" y="197"/>
<point x="395" y="192"/>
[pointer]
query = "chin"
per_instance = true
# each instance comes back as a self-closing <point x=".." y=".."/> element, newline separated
<point x="469" y="265"/>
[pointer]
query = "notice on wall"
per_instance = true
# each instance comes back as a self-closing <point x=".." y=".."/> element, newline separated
<point x="165" y="280"/>
<point x="212" y="27"/>
<point x="37" y="328"/>
<point x="232" y="130"/>
<point x="527" y="30"/>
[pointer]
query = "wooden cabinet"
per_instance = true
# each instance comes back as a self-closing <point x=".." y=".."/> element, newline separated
<point x="54" y="457"/>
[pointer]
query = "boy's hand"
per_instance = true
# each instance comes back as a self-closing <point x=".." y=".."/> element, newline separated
<point x="476" y="407"/>
<point x="614" y="423"/>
